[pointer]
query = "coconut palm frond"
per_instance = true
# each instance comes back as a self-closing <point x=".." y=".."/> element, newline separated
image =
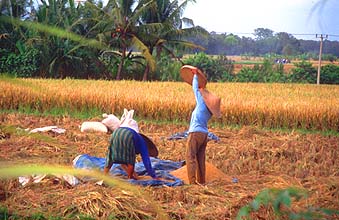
<point x="187" y="44"/>
<point x="152" y="29"/>
<point x="197" y="30"/>
<point x="140" y="46"/>
<point x="54" y="31"/>
<point x="140" y="9"/>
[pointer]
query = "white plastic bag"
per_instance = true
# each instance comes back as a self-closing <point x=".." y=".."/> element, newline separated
<point x="54" y="129"/>
<point x="93" y="126"/>
<point x="111" y="121"/>
<point x="128" y="121"/>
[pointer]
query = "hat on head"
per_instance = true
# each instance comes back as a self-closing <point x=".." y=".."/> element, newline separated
<point x="212" y="101"/>
<point x="187" y="72"/>
<point x="152" y="149"/>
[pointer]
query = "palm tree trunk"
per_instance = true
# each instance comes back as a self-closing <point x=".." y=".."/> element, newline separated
<point x="159" y="50"/>
<point x="121" y="64"/>
<point x="144" y="78"/>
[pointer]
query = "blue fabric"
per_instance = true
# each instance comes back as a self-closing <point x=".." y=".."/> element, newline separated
<point x="162" y="169"/>
<point x="182" y="135"/>
<point x="200" y="114"/>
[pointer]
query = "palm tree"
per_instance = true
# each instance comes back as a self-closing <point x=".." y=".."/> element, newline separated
<point x="60" y="57"/>
<point x="118" y="25"/>
<point x="163" y="29"/>
<point x="15" y="9"/>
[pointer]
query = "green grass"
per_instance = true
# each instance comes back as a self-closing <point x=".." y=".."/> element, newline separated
<point x="95" y="113"/>
<point x="248" y="62"/>
<point x="57" y="112"/>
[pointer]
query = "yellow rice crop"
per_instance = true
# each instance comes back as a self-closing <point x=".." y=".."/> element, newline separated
<point x="270" y="105"/>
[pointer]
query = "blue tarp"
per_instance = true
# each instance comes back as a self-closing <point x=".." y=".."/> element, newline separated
<point x="162" y="169"/>
<point x="183" y="135"/>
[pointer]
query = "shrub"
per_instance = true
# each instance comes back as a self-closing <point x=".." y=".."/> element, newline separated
<point x="219" y="69"/>
<point x="281" y="202"/>
<point x="304" y="72"/>
<point x="266" y="72"/>
<point x="329" y="74"/>
<point x="167" y="69"/>
<point x="21" y="64"/>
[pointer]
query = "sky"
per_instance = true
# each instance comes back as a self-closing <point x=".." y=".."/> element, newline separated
<point x="302" y="18"/>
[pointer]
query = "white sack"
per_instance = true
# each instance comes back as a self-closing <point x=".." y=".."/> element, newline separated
<point x="93" y="126"/>
<point x="111" y="121"/>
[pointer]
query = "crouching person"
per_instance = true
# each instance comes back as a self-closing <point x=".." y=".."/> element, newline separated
<point x="124" y="144"/>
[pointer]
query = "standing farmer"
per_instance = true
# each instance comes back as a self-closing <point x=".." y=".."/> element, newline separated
<point x="206" y="105"/>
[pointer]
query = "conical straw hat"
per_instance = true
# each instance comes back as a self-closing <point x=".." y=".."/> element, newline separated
<point x="187" y="72"/>
<point x="212" y="101"/>
<point x="152" y="149"/>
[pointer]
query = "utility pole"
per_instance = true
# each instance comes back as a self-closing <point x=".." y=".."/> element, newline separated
<point x="321" y="36"/>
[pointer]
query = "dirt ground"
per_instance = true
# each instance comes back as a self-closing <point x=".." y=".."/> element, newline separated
<point x="244" y="162"/>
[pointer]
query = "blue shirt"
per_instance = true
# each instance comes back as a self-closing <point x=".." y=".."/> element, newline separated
<point x="200" y="114"/>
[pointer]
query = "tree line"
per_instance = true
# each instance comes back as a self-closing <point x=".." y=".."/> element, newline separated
<point x="135" y="39"/>
<point x="266" y="42"/>
<point x="62" y="38"/>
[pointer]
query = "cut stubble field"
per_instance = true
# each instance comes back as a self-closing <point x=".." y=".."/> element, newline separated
<point x="256" y="158"/>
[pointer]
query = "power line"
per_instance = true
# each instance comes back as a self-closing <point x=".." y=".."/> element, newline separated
<point x="330" y="35"/>
<point x="294" y="34"/>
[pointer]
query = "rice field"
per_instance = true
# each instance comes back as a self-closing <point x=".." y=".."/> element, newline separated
<point x="293" y="106"/>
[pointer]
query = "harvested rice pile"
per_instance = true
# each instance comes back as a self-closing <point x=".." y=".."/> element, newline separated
<point x="212" y="174"/>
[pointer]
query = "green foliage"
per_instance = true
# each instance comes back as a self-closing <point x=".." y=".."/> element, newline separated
<point x="247" y="74"/>
<point x="3" y="213"/>
<point x="329" y="74"/>
<point x="281" y="202"/>
<point x="304" y="72"/>
<point x="167" y="69"/>
<point x="63" y="39"/>
<point x="218" y="69"/>
<point x="62" y="52"/>
<point x="110" y="62"/>
<point x="6" y="215"/>
<point x="132" y="67"/>
<point x="307" y="56"/>
<point x="329" y="57"/>
<point x="23" y="63"/>
<point x="265" y="72"/>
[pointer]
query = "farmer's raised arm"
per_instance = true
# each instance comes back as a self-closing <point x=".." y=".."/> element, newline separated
<point x="195" y="86"/>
